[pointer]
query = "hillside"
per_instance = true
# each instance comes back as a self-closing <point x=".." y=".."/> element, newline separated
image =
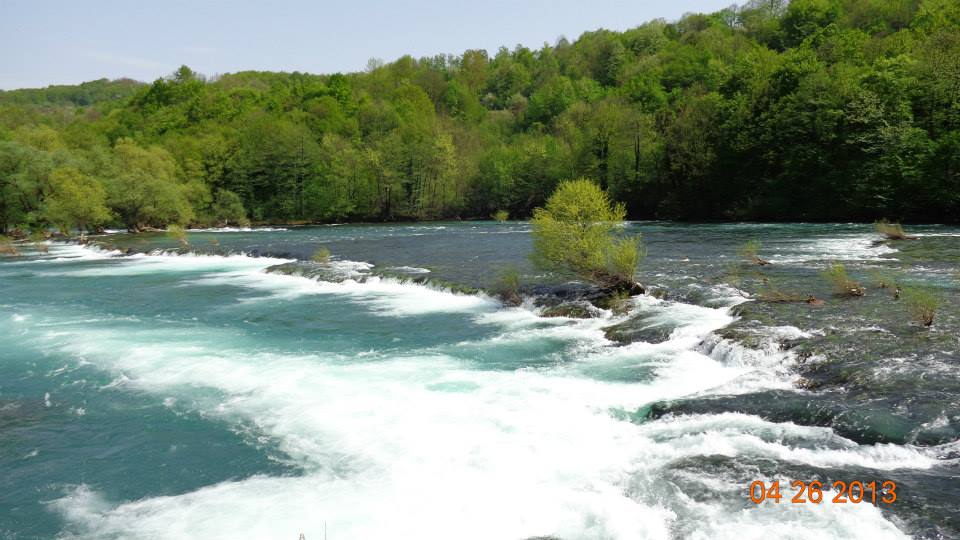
<point x="812" y="110"/>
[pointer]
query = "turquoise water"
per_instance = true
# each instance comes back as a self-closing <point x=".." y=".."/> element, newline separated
<point x="205" y="392"/>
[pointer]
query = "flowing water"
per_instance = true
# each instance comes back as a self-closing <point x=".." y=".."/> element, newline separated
<point x="234" y="390"/>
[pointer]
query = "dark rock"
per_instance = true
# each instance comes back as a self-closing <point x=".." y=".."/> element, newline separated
<point x="646" y="329"/>
<point x="573" y="310"/>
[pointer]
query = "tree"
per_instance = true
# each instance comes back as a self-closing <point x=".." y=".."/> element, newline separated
<point x="227" y="208"/>
<point x="577" y="233"/>
<point x="75" y="199"/>
<point x="776" y="110"/>
<point x="143" y="189"/>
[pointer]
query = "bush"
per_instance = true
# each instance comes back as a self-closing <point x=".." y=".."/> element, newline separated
<point x="7" y="247"/>
<point x="921" y="303"/>
<point x="501" y="215"/>
<point x="892" y="231"/>
<point x="178" y="233"/>
<point x="321" y="255"/>
<point x="750" y="253"/>
<point x="507" y="286"/>
<point x="577" y="233"/>
<point x="843" y="285"/>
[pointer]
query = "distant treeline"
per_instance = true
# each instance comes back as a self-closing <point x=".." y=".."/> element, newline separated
<point x="812" y="110"/>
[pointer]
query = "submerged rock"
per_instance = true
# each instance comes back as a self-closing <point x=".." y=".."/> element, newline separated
<point x="864" y="423"/>
<point x="577" y="292"/>
<point x="646" y="328"/>
<point x="573" y="310"/>
<point x="308" y="269"/>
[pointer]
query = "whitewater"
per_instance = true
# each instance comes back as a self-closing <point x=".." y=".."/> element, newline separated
<point x="369" y="406"/>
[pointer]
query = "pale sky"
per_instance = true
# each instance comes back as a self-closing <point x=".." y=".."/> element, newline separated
<point x="69" y="41"/>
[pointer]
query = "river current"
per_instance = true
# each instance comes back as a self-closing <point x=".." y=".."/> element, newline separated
<point x="231" y="389"/>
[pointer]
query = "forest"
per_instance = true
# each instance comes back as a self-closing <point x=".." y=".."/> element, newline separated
<point x="809" y="110"/>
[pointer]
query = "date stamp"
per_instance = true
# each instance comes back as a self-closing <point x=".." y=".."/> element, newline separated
<point x="854" y="492"/>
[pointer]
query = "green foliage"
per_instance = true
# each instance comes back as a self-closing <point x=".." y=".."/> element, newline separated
<point x="843" y="285"/>
<point x="892" y="231"/>
<point x="75" y="200"/>
<point x="227" y="209"/>
<point x="321" y="255"/>
<point x="144" y="190"/>
<point x="178" y="233"/>
<point x="501" y="216"/>
<point x="750" y="252"/>
<point x="7" y="247"/>
<point x="922" y="304"/>
<point x="506" y="287"/>
<point x="83" y="94"/>
<point x="623" y="256"/>
<point x="805" y="110"/>
<point x="577" y="232"/>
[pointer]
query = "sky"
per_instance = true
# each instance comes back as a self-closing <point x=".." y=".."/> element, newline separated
<point x="47" y="42"/>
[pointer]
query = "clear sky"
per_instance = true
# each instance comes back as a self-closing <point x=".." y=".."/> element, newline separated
<point x="69" y="41"/>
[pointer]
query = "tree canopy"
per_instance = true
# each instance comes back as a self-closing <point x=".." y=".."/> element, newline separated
<point x="807" y="110"/>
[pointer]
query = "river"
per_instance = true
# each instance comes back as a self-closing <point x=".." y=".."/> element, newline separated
<point x="233" y="390"/>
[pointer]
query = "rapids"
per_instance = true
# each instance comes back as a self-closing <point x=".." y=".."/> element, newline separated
<point x="233" y="391"/>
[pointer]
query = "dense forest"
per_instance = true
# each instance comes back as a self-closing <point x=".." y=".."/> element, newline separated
<point x="807" y="110"/>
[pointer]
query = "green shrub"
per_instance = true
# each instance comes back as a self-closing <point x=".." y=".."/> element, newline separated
<point x="750" y="253"/>
<point x="892" y="231"/>
<point x="577" y="232"/>
<point x="7" y="247"/>
<point x="506" y="287"/>
<point x="178" y="233"/>
<point x="922" y="304"/>
<point x="843" y="285"/>
<point x="501" y="215"/>
<point x="321" y="255"/>
<point x="624" y="256"/>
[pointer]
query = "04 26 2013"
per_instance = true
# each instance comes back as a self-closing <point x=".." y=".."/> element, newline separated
<point x="801" y="492"/>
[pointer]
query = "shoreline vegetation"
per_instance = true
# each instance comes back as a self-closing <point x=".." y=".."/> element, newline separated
<point x="593" y="265"/>
<point x="812" y="110"/>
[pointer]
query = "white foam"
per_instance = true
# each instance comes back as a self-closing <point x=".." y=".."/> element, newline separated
<point x="410" y="269"/>
<point x="351" y="269"/>
<point x="383" y="296"/>
<point x="853" y="247"/>
<point x="159" y="262"/>
<point x="237" y="229"/>
<point x="58" y="252"/>
<point x="787" y="520"/>
<point x="735" y="434"/>
<point x="947" y="234"/>
<point x="425" y="446"/>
